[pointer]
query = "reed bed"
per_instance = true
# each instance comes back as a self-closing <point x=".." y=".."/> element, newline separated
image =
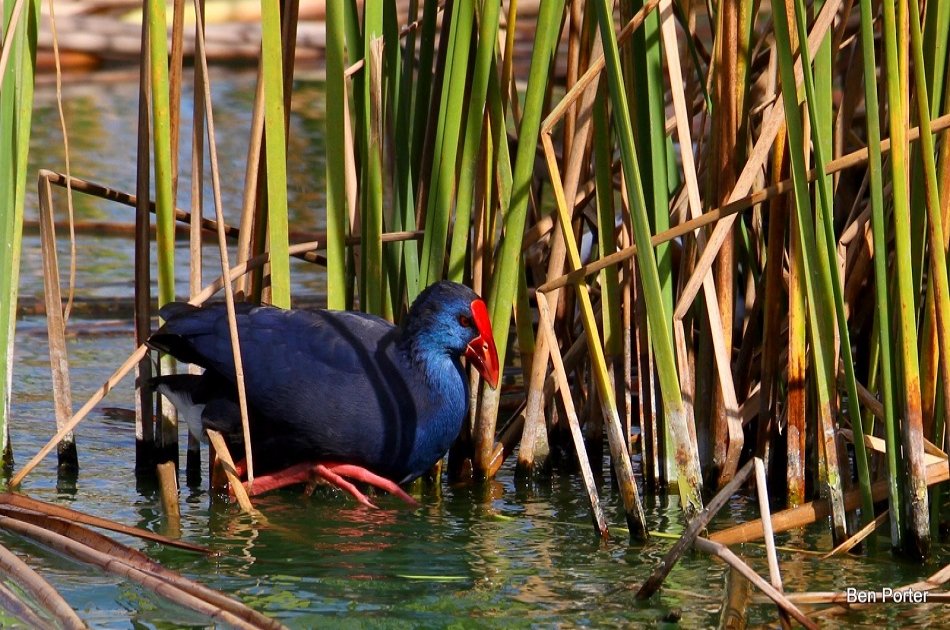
<point x="706" y="232"/>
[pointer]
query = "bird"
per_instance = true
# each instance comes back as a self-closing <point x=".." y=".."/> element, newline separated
<point x="339" y="395"/>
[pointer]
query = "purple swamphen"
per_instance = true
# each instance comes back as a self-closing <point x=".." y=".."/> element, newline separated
<point x="333" y="394"/>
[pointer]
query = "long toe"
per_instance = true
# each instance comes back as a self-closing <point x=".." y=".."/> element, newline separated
<point x="358" y="473"/>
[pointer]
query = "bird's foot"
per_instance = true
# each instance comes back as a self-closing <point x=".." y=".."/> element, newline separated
<point x="335" y="473"/>
<point x="332" y="473"/>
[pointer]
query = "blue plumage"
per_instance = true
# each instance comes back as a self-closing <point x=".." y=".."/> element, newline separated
<point x="332" y="385"/>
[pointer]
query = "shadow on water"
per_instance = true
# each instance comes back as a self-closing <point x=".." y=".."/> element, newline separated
<point x="496" y="556"/>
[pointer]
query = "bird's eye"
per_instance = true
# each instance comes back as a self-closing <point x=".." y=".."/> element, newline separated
<point x="465" y="321"/>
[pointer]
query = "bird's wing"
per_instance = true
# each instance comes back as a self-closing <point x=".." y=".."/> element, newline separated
<point x="272" y="340"/>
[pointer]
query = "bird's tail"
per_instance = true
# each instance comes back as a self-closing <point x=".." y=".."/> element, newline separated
<point x="181" y="390"/>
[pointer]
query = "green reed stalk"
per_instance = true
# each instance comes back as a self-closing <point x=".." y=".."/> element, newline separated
<point x="916" y="536"/>
<point x="372" y="280"/>
<point x="823" y="109"/>
<point x="423" y="88"/>
<point x="934" y="46"/>
<point x="936" y="43"/>
<point x="820" y="126"/>
<point x="276" y="153"/>
<point x="477" y="93"/>
<point x="448" y="137"/>
<point x="649" y="86"/>
<point x="686" y="456"/>
<point x="16" y="110"/>
<point x="161" y="141"/>
<point x="646" y="88"/>
<point x="935" y="229"/>
<point x="515" y="201"/>
<point x="816" y="269"/>
<point x="879" y="231"/>
<point x="606" y="214"/>
<point x="405" y="256"/>
<point x="336" y="167"/>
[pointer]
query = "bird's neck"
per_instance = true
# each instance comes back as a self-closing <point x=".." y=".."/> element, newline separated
<point x="446" y="400"/>
<point x="441" y="370"/>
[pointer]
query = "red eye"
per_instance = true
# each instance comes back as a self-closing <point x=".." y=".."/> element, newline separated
<point x="465" y="321"/>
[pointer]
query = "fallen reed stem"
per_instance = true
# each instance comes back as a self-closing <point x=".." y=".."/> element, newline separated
<point x="723" y="552"/>
<point x="41" y="590"/>
<point x="697" y="525"/>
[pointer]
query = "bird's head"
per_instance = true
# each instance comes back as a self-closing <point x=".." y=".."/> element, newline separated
<point x="450" y="317"/>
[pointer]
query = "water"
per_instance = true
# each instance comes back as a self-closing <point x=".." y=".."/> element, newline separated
<point x="501" y="555"/>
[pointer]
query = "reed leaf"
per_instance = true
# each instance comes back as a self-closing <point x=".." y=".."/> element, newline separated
<point x="20" y="20"/>
<point x="821" y="135"/>
<point x="336" y="168"/>
<point x="916" y="536"/>
<point x="817" y="274"/>
<point x="448" y="137"/>
<point x="514" y="204"/>
<point x="686" y="457"/>
<point x="477" y="93"/>
<point x="276" y="151"/>
<point x="879" y="230"/>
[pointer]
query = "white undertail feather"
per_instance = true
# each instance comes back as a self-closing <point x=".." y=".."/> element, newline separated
<point x="188" y="410"/>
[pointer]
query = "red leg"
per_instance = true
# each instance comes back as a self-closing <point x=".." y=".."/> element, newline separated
<point x="298" y="473"/>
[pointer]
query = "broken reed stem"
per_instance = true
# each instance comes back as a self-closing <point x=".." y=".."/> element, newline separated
<point x="580" y="448"/>
<point x="56" y="327"/>
<point x="723" y="552"/>
<point x="13" y="604"/>
<point x="735" y="601"/>
<point x="168" y="484"/>
<point x="193" y="457"/>
<point x="697" y="525"/>
<point x="855" y="540"/>
<point x="128" y="555"/>
<point x="815" y="510"/>
<point x="209" y="225"/>
<point x="775" y="576"/>
<point x="223" y="457"/>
